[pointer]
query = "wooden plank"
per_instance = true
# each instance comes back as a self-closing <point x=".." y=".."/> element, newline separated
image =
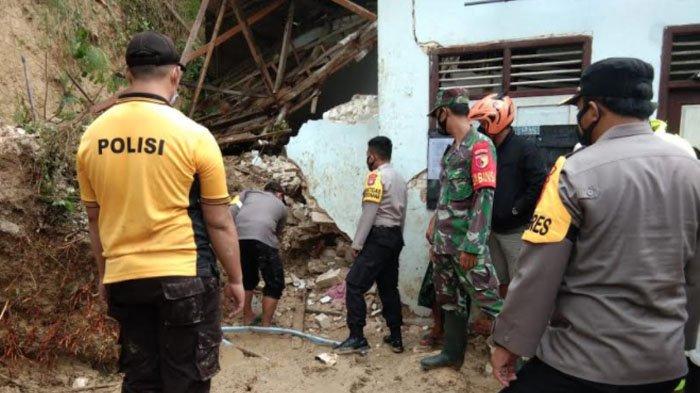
<point x="300" y="312"/>
<point x="228" y="34"/>
<point x="194" y="31"/>
<point x="363" y="12"/>
<point x="177" y="16"/>
<point x="224" y="91"/>
<point x="254" y="51"/>
<point x="284" y="51"/>
<point x="207" y="59"/>
<point x="30" y="96"/>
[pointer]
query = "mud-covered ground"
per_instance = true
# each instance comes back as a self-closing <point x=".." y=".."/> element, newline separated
<point x="288" y="365"/>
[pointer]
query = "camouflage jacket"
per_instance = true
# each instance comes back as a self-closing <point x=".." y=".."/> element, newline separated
<point x="467" y="183"/>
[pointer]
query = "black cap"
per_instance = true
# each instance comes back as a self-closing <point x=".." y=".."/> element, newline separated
<point x="616" y="77"/>
<point x="151" y="48"/>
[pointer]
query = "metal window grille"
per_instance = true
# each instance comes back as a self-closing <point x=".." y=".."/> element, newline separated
<point x="528" y="68"/>
<point x="685" y="56"/>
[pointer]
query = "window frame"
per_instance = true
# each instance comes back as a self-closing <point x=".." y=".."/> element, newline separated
<point x="507" y="47"/>
<point x="665" y="82"/>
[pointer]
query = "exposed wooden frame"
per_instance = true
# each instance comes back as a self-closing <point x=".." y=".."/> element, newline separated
<point x="665" y="84"/>
<point x="194" y="31"/>
<point x="507" y="47"/>
<point x="254" y="51"/>
<point x="216" y="89"/>
<point x="207" y="59"/>
<point x="228" y="34"/>
<point x="284" y="51"/>
<point x="363" y="12"/>
<point x="294" y="95"/>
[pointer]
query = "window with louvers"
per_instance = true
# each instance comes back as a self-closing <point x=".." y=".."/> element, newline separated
<point x="539" y="67"/>
<point x="685" y="56"/>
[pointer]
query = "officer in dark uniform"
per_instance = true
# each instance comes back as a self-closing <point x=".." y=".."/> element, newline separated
<point x="377" y="245"/>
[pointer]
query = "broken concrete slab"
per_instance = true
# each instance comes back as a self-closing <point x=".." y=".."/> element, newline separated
<point x="329" y="279"/>
<point x="359" y="109"/>
<point x="329" y="359"/>
<point x="326" y="299"/>
<point x="323" y="321"/>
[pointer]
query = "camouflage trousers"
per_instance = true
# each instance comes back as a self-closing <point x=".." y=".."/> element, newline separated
<point x="455" y="287"/>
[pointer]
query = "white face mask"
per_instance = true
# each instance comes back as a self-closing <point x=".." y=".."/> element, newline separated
<point x="174" y="98"/>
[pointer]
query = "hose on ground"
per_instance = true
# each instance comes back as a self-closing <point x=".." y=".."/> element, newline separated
<point x="278" y="330"/>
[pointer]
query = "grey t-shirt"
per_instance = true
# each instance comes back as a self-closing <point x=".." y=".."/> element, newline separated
<point x="259" y="215"/>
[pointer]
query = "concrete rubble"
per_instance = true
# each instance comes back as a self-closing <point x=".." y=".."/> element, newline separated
<point x="360" y="108"/>
<point x="310" y="238"/>
<point x="329" y="279"/>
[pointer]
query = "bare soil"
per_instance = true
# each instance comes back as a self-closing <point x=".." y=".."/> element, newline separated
<point x="288" y="364"/>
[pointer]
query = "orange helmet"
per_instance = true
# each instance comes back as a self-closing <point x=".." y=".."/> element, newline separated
<point x="495" y="112"/>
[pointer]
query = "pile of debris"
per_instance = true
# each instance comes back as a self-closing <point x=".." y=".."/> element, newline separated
<point x="311" y="239"/>
<point x="17" y="152"/>
<point x="360" y="108"/>
<point x="48" y="305"/>
<point x="256" y="94"/>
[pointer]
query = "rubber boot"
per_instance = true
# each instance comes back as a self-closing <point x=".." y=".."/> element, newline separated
<point x="455" y="344"/>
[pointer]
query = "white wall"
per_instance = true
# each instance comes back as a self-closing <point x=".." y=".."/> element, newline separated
<point x="618" y="27"/>
<point x="332" y="156"/>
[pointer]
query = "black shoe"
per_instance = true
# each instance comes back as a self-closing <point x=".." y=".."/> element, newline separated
<point x="352" y="345"/>
<point x="395" y="343"/>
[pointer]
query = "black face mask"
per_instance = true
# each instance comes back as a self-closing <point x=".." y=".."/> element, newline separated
<point x="585" y="135"/>
<point x="482" y="130"/>
<point x="370" y="163"/>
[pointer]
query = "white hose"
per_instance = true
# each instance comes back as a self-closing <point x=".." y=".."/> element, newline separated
<point x="278" y="330"/>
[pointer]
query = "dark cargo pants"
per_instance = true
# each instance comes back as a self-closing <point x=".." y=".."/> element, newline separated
<point x="170" y="333"/>
<point x="378" y="262"/>
<point x="538" y="377"/>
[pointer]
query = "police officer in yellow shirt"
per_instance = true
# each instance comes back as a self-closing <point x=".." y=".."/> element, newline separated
<point x="154" y="186"/>
<point x="377" y="244"/>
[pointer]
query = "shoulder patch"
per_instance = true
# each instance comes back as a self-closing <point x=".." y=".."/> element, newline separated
<point x="483" y="166"/>
<point x="373" y="188"/>
<point x="551" y="221"/>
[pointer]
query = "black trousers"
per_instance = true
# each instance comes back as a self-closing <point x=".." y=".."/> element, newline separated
<point x="538" y="377"/>
<point x="692" y="381"/>
<point x="170" y="332"/>
<point x="256" y="258"/>
<point x="378" y="262"/>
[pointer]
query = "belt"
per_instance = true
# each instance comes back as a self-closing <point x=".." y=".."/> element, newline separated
<point x="385" y="228"/>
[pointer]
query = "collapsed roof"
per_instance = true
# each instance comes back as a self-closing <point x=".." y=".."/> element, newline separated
<point x="269" y="59"/>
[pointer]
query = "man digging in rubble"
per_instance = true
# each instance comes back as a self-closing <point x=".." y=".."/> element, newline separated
<point x="459" y="230"/>
<point x="609" y="276"/>
<point x="260" y="217"/>
<point x="377" y="245"/>
<point x="154" y="186"/>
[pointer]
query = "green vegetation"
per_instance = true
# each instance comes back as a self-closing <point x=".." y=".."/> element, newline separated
<point x="91" y="55"/>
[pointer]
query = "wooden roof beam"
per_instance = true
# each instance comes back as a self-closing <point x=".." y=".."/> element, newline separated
<point x="207" y="59"/>
<point x="228" y="34"/>
<point x="284" y="51"/>
<point x="194" y="31"/>
<point x="254" y="50"/>
<point x="363" y="12"/>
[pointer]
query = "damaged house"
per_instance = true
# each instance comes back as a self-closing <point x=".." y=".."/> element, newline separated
<point x="274" y="67"/>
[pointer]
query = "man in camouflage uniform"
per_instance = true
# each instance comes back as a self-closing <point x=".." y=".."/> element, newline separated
<point x="460" y="227"/>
